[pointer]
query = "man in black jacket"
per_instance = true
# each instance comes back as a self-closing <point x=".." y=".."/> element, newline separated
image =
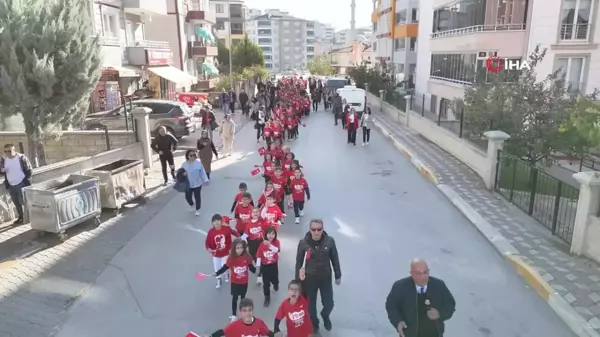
<point x="165" y="144"/>
<point x="244" y="102"/>
<point x="316" y="255"/>
<point x="417" y="306"/>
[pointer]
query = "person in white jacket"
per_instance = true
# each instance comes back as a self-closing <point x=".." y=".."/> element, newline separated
<point x="261" y="118"/>
<point x="227" y="133"/>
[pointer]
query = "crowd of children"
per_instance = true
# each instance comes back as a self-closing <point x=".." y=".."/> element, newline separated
<point x="256" y="247"/>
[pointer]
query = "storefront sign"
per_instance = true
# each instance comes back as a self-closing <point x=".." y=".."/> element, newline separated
<point x="157" y="57"/>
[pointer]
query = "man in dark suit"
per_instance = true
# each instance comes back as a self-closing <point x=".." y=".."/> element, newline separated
<point x="418" y="305"/>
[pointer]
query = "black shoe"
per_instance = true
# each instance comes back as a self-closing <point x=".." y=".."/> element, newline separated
<point x="267" y="301"/>
<point x="326" y="323"/>
<point x="276" y="287"/>
<point x="19" y="221"/>
<point x="316" y="327"/>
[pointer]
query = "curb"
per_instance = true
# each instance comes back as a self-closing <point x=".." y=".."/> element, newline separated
<point x="557" y="303"/>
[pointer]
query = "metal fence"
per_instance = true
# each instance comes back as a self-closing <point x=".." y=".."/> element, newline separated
<point x="547" y="199"/>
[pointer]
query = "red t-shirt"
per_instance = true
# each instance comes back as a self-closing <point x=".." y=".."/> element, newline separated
<point x="242" y="215"/>
<point x="276" y="131"/>
<point x="289" y="124"/>
<point x="269" y="168"/>
<point x="286" y="165"/>
<point x="267" y="131"/>
<point x="255" y="229"/>
<point x="298" y="187"/>
<point x="239" y="268"/>
<point x="296" y="317"/>
<point x="240" y="196"/>
<point x="279" y="184"/>
<point x="219" y="240"/>
<point x="278" y="153"/>
<point x="268" y="255"/>
<point x="272" y="216"/>
<point x="240" y="329"/>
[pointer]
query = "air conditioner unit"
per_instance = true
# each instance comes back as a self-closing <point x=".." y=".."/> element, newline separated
<point x="483" y="55"/>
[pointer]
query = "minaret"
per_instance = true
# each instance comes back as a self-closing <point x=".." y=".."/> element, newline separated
<point x="352" y="35"/>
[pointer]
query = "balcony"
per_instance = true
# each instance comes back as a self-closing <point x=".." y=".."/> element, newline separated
<point x="145" y="7"/>
<point x="149" y="53"/>
<point x="508" y="39"/>
<point x="575" y="32"/>
<point x="200" y="49"/>
<point x="199" y="12"/>
<point x="237" y="31"/>
<point x="108" y="41"/>
<point x="206" y="84"/>
<point x="406" y="30"/>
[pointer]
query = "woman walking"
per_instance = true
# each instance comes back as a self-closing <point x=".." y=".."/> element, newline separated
<point x="206" y="149"/>
<point x="196" y="176"/>
<point x="366" y="122"/>
<point x="260" y="122"/>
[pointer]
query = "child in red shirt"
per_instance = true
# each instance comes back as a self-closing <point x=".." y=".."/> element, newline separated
<point x="268" y="166"/>
<point x="254" y="233"/>
<point x="294" y="310"/>
<point x="243" y="213"/>
<point x="242" y="188"/>
<point x="271" y="213"/>
<point x="218" y="244"/>
<point x="247" y="325"/>
<point x="289" y="126"/>
<point x="269" y="189"/>
<point x="299" y="188"/>
<point x="239" y="263"/>
<point x="266" y="260"/>
<point x="279" y="184"/>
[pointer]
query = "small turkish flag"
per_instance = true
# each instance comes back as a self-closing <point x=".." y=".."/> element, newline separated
<point x="191" y="334"/>
<point x="262" y="151"/>
<point x="303" y="125"/>
<point x="226" y="219"/>
<point x="200" y="277"/>
<point x="255" y="171"/>
<point x="307" y="254"/>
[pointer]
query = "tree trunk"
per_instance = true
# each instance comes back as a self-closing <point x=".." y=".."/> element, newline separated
<point x="35" y="147"/>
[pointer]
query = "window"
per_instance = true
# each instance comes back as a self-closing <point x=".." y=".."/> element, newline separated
<point x="219" y="8"/>
<point x="374" y="46"/>
<point x="264" y="23"/>
<point x="237" y="28"/>
<point x="268" y="57"/>
<point x="235" y="11"/>
<point x="573" y="70"/>
<point x="264" y="41"/>
<point x="264" y="32"/>
<point x="297" y="23"/>
<point x="286" y="23"/>
<point x="286" y="49"/>
<point x="310" y="33"/>
<point x="456" y="68"/>
<point x="575" y="19"/>
<point x="223" y="42"/>
<point x="310" y="41"/>
<point x="511" y="14"/>
<point x="399" y="44"/>
<point x="310" y="24"/>
<point x="414" y="15"/>
<point x="286" y="57"/>
<point x="220" y="24"/>
<point x="310" y="49"/>
<point x="235" y="42"/>
<point x="110" y="26"/>
<point x="401" y="17"/>
<point x="310" y="57"/>
<point x="412" y="68"/>
<point x="266" y="49"/>
<point x="268" y="66"/>
<point x="413" y="43"/>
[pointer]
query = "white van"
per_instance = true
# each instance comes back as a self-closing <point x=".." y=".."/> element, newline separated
<point x="356" y="97"/>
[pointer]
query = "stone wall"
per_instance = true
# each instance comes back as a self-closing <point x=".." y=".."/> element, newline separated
<point x="74" y="144"/>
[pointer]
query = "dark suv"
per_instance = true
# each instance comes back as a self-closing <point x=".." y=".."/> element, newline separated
<point x="177" y="117"/>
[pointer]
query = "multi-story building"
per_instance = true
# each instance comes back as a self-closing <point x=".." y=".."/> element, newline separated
<point x="231" y="20"/>
<point x="286" y="41"/>
<point x="459" y="37"/>
<point x="395" y="30"/>
<point x="137" y="55"/>
<point x="324" y="34"/>
<point x="343" y="38"/>
<point x="342" y="59"/>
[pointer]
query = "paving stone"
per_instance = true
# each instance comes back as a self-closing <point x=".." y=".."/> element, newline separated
<point x="514" y="225"/>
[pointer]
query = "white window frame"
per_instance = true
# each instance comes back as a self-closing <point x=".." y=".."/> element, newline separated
<point x="574" y="25"/>
<point x="567" y="72"/>
<point x="219" y="8"/>
<point x="110" y="28"/>
<point x="400" y="46"/>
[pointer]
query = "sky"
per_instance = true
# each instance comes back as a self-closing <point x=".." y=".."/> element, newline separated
<point x="334" y="12"/>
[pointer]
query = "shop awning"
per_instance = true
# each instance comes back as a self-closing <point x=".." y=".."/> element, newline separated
<point x="125" y="71"/>
<point x="174" y="75"/>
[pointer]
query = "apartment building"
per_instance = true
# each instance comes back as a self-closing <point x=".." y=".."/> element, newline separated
<point x="230" y="20"/>
<point x="459" y="37"/>
<point x="395" y="29"/>
<point x="343" y="38"/>
<point x="324" y="37"/>
<point x="286" y="41"/>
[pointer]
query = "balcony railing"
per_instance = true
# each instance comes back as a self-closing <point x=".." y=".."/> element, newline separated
<point x="198" y="6"/>
<point x="480" y="28"/>
<point x="151" y="44"/>
<point x="108" y="40"/>
<point x="577" y="31"/>
<point x="237" y="31"/>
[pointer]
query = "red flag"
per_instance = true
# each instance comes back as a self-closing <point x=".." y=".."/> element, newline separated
<point x="191" y="334"/>
<point x="200" y="277"/>
<point x="307" y="254"/>
<point x="255" y="171"/>
<point x="226" y="219"/>
<point x="262" y="151"/>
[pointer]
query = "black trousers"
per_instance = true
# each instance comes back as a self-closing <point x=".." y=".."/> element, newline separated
<point x="352" y="135"/>
<point x="270" y="275"/>
<point x="298" y="206"/>
<point x="343" y="117"/>
<point x="253" y="247"/>
<point x="315" y="105"/>
<point x="195" y="192"/>
<point x="336" y="117"/>
<point x="281" y="205"/>
<point x="259" y="130"/>
<point x="311" y="287"/>
<point x="237" y="290"/>
<point x="167" y="158"/>
<point x="366" y="134"/>
<point x="232" y="107"/>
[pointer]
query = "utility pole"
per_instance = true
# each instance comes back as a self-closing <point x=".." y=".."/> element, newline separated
<point x="230" y="58"/>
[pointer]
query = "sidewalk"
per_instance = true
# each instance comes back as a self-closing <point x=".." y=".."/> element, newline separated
<point x="569" y="284"/>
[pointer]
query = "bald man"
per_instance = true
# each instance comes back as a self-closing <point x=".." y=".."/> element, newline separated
<point x="418" y="305"/>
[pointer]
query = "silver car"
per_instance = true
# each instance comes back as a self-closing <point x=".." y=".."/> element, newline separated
<point x="177" y="117"/>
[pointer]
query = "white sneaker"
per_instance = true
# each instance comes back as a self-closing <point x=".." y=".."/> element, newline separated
<point x="297" y="221"/>
<point x="197" y="213"/>
<point x="232" y="318"/>
<point x="226" y="278"/>
<point x="364" y="144"/>
<point x="219" y="283"/>
<point x="259" y="280"/>
<point x="367" y="143"/>
<point x="301" y="213"/>
<point x="193" y="208"/>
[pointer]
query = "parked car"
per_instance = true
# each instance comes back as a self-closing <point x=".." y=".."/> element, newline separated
<point x="176" y="116"/>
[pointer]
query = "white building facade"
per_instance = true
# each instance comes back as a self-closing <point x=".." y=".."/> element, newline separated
<point x="230" y="20"/>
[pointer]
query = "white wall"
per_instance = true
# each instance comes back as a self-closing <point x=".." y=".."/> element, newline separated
<point x="423" y="51"/>
<point x="164" y="28"/>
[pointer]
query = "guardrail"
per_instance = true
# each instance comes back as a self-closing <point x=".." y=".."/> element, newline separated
<point x="480" y="28"/>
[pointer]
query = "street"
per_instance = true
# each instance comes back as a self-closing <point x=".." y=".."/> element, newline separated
<point x="379" y="209"/>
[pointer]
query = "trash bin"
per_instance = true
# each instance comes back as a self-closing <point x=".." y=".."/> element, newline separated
<point x="120" y="181"/>
<point x="58" y="204"/>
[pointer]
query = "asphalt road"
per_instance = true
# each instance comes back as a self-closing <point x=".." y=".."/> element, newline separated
<point x="380" y="210"/>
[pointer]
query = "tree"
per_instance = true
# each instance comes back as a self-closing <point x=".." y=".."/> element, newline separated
<point x="48" y="66"/>
<point x="375" y="78"/>
<point x="515" y="102"/>
<point x="223" y="57"/>
<point x="581" y="133"/>
<point x="246" y="55"/>
<point x="320" y="65"/>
